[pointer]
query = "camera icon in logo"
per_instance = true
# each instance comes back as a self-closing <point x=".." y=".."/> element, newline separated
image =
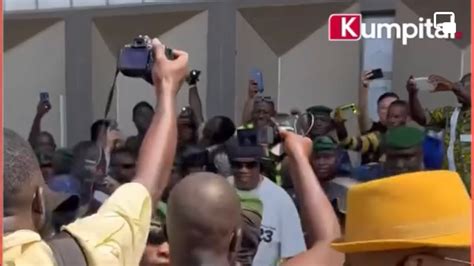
<point x="448" y="27"/>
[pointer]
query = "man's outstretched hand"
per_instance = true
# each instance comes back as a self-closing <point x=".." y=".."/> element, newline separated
<point x="296" y="146"/>
<point x="168" y="74"/>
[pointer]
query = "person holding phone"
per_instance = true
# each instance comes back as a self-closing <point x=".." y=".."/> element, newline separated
<point x="456" y="121"/>
<point x="367" y="126"/>
<point x="41" y="141"/>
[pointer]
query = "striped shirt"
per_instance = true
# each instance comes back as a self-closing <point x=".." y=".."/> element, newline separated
<point x="368" y="143"/>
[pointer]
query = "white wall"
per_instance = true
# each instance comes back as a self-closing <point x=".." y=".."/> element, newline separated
<point x="191" y="36"/>
<point x="34" y="62"/>
<point x="252" y="52"/>
<point x="320" y="72"/>
<point x="422" y="57"/>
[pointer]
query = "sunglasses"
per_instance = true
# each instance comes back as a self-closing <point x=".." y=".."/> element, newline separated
<point x="266" y="99"/>
<point x="127" y="165"/>
<point x="240" y="165"/>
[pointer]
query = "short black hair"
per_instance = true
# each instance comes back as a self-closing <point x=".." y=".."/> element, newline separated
<point x="48" y="135"/>
<point x="387" y="95"/>
<point x="400" y="103"/>
<point x="20" y="165"/>
<point x="85" y="150"/>
<point x="141" y="104"/>
<point x="122" y="150"/>
<point x="194" y="156"/>
<point x="95" y="128"/>
<point x="219" y="129"/>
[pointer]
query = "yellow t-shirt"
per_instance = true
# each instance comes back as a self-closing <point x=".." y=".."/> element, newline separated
<point x="116" y="235"/>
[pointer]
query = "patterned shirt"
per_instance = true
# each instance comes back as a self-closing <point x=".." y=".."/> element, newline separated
<point x="373" y="155"/>
<point x="365" y="144"/>
<point x="441" y="118"/>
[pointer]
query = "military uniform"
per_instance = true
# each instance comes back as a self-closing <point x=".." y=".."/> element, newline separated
<point x="336" y="189"/>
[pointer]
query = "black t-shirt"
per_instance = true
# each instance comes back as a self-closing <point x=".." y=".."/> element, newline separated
<point x="374" y="156"/>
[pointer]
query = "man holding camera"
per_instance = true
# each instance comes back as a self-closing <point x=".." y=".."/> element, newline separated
<point x="116" y="235"/>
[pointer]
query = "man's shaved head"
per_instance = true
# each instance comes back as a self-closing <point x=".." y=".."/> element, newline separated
<point x="21" y="171"/>
<point x="203" y="220"/>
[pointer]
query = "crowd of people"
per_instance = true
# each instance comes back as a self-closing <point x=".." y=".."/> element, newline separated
<point x="189" y="191"/>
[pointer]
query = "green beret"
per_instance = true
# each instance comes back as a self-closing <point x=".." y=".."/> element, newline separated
<point x="250" y="202"/>
<point x="324" y="143"/>
<point x="400" y="138"/>
<point x="319" y="110"/>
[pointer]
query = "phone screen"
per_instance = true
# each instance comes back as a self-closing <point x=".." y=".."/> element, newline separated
<point x="44" y="97"/>
<point x="347" y="111"/>
<point x="257" y="76"/>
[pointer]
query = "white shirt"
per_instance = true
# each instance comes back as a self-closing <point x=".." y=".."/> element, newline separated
<point x="281" y="233"/>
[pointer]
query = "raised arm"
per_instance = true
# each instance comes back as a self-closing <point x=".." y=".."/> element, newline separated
<point x="159" y="145"/>
<point x="195" y="103"/>
<point x="248" y="106"/>
<point x="42" y="109"/>
<point x="363" y="118"/>
<point x="416" y="110"/>
<point x="318" y="215"/>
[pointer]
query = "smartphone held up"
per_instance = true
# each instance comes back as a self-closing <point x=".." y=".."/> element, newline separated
<point x="376" y="74"/>
<point x="257" y="76"/>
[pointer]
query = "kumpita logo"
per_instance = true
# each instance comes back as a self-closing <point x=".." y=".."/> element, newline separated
<point x="349" y="27"/>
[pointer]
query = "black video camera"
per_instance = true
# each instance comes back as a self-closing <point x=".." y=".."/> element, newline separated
<point x="136" y="59"/>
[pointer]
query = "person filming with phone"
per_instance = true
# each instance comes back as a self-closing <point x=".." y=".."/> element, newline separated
<point x="456" y="121"/>
<point x="384" y="101"/>
<point x="41" y="141"/>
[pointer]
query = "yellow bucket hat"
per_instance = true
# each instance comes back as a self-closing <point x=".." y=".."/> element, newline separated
<point x="422" y="209"/>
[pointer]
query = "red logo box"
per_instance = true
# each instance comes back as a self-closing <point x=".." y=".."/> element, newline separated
<point x="344" y="27"/>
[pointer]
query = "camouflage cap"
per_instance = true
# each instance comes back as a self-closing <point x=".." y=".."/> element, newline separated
<point x="404" y="137"/>
<point x="324" y="144"/>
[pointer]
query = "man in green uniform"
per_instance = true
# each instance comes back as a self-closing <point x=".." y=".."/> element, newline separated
<point x="403" y="150"/>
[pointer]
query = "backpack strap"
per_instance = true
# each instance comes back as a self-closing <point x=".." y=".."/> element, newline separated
<point x="66" y="250"/>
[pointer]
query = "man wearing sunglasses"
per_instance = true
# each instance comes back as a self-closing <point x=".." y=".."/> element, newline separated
<point x="421" y="219"/>
<point x="281" y="233"/>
